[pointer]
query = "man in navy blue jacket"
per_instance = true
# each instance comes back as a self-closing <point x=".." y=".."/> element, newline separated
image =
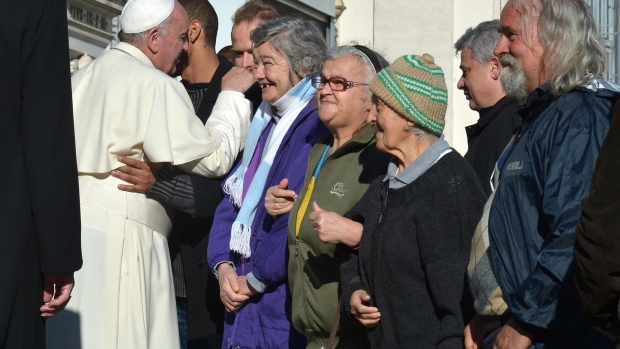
<point x="554" y="55"/>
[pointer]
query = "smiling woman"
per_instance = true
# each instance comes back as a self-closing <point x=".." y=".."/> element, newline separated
<point x="272" y="71"/>
<point x="247" y="247"/>
<point x="340" y="168"/>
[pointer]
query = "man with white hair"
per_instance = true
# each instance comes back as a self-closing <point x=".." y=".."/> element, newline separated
<point x="554" y="57"/>
<point x="124" y="103"/>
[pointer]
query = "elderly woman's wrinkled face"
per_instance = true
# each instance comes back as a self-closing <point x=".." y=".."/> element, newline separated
<point x="349" y="107"/>
<point x="272" y="72"/>
<point x="391" y="128"/>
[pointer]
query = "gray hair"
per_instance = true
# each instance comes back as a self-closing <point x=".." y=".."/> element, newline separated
<point x="573" y="50"/>
<point x="337" y="52"/>
<point x="422" y="132"/>
<point x="137" y="39"/>
<point x="481" y="40"/>
<point x="298" y="40"/>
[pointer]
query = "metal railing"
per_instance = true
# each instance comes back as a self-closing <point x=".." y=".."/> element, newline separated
<point x="606" y="15"/>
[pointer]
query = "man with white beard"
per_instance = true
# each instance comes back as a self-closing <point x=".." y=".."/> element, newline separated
<point x="553" y="57"/>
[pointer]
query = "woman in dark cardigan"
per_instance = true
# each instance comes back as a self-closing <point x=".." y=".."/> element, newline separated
<point x="406" y="283"/>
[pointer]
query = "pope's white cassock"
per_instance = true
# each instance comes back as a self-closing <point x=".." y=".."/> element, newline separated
<point x="124" y="296"/>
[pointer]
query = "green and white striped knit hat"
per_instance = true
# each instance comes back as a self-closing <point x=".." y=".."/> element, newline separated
<point x="414" y="86"/>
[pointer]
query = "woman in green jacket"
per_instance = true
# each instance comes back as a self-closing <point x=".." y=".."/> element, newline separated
<point x="340" y="169"/>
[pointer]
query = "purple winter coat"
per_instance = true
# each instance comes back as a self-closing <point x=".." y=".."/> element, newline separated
<point x="265" y="319"/>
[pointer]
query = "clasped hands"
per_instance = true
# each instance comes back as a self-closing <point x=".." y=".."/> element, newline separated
<point x="511" y="336"/>
<point x="234" y="290"/>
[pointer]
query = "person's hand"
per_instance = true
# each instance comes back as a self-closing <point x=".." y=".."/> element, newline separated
<point x="55" y="302"/>
<point x="473" y="334"/>
<point x="279" y="200"/>
<point x="229" y="288"/>
<point x="238" y="79"/>
<point x="367" y="316"/>
<point x="512" y="337"/>
<point x="332" y="228"/>
<point x="140" y="174"/>
<point x="476" y="331"/>
<point x="244" y="287"/>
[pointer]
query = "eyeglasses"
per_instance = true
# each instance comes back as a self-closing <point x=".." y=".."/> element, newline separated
<point x="336" y="84"/>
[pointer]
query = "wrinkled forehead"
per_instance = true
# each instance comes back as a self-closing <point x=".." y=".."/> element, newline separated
<point x="180" y="19"/>
<point x="348" y="66"/>
<point x="520" y="13"/>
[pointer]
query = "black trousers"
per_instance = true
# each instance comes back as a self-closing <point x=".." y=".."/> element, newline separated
<point x="21" y="325"/>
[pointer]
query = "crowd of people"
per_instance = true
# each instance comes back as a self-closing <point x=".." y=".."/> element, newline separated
<point x="300" y="196"/>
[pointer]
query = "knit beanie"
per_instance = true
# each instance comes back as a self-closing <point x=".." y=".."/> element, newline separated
<point x="414" y="86"/>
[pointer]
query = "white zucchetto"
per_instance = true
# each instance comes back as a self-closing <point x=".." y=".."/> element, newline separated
<point x="141" y="15"/>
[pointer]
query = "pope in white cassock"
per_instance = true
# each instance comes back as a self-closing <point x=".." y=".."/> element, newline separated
<point x="124" y="103"/>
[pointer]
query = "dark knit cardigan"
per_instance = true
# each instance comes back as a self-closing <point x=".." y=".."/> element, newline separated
<point x="412" y="263"/>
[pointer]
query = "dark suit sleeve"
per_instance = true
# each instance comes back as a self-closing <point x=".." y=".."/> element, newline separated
<point x="597" y="251"/>
<point x="49" y="142"/>
<point x="207" y="195"/>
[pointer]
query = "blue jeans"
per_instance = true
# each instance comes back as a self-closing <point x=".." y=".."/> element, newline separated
<point x="182" y="319"/>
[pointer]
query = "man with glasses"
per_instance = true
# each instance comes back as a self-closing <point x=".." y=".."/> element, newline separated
<point x="340" y="168"/>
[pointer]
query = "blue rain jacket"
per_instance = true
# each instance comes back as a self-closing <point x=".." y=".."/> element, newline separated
<point x="544" y="176"/>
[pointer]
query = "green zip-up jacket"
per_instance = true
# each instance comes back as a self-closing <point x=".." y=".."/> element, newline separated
<point x="314" y="267"/>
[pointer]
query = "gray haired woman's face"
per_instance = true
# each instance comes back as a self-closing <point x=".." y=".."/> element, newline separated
<point x="391" y="130"/>
<point x="272" y="72"/>
<point x="343" y="97"/>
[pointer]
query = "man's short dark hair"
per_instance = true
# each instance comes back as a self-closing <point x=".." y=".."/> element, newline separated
<point x="203" y="12"/>
<point x="254" y="10"/>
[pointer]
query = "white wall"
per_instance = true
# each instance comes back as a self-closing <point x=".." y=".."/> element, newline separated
<point x="465" y="18"/>
<point x="225" y="9"/>
<point x="417" y="27"/>
<point x="396" y="28"/>
<point x="356" y="23"/>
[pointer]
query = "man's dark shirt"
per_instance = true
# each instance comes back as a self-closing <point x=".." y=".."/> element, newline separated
<point x="488" y="138"/>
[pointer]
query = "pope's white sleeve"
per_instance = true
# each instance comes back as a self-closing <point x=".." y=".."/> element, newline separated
<point x="230" y="118"/>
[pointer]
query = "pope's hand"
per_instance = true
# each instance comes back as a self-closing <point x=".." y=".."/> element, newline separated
<point x="238" y="79"/>
<point x="279" y="200"/>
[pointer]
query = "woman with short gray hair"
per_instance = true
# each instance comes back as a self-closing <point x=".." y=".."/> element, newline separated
<point x="247" y="246"/>
<point x="340" y="168"/>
